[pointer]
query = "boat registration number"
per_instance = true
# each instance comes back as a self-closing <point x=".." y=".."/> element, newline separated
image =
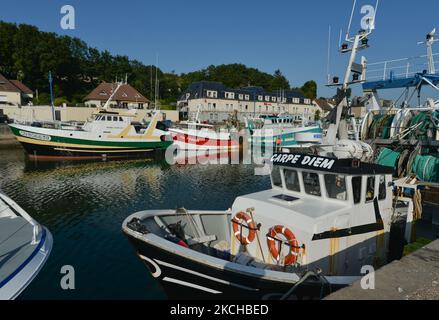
<point x="36" y="136"/>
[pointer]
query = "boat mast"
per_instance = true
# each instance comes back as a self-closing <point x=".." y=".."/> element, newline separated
<point x="359" y="41"/>
<point x="107" y="104"/>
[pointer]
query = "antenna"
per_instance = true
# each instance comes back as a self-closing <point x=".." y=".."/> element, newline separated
<point x="348" y="31"/>
<point x="329" y="55"/>
<point x="339" y="40"/>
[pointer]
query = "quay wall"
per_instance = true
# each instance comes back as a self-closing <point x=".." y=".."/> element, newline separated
<point x="414" y="277"/>
<point x="44" y="113"/>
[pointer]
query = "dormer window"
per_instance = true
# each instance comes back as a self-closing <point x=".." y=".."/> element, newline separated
<point x="103" y="93"/>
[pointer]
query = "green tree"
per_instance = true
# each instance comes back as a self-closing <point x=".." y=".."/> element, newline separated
<point x="309" y="89"/>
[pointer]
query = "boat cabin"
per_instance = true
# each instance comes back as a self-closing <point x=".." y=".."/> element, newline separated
<point x="332" y="214"/>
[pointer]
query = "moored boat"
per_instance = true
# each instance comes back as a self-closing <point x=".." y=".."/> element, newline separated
<point x="321" y="222"/>
<point x="109" y="134"/>
<point x="198" y="136"/>
<point x="282" y="131"/>
<point x="25" y="246"/>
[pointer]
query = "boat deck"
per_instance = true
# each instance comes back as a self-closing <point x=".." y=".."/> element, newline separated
<point x="15" y="242"/>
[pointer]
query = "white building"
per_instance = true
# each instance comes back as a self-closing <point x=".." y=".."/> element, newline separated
<point x="14" y="92"/>
<point x="126" y="97"/>
<point x="218" y="103"/>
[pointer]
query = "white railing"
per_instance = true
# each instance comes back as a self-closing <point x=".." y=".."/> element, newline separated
<point x="399" y="68"/>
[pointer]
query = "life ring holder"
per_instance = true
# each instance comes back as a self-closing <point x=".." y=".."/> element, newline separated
<point x="249" y="224"/>
<point x="292" y="243"/>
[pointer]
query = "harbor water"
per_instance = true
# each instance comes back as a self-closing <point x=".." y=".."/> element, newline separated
<point x="84" y="205"/>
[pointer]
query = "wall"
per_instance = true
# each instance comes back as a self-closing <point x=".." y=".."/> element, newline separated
<point x="12" y="97"/>
<point x="44" y="113"/>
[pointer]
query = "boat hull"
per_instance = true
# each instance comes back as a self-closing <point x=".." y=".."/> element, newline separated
<point x="286" y="138"/>
<point x="184" y="278"/>
<point x="203" y="140"/>
<point x="47" y="145"/>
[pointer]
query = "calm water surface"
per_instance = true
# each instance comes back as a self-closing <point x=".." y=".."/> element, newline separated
<point x="84" y="205"/>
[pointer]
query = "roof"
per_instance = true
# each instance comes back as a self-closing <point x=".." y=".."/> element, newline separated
<point x="21" y="86"/>
<point x="125" y="93"/>
<point x="6" y="85"/>
<point x="324" y="104"/>
<point x="199" y="90"/>
<point x="330" y="165"/>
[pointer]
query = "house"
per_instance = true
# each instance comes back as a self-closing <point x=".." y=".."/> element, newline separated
<point x="217" y="103"/>
<point x="325" y="106"/>
<point x="125" y="98"/>
<point x="14" y="92"/>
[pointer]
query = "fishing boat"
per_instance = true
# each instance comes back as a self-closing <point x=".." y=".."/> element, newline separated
<point x="282" y="130"/>
<point x="110" y="133"/>
<point x="321" y="214"/>
<point x="25" y="246"/>
<point x="194" y="135"/>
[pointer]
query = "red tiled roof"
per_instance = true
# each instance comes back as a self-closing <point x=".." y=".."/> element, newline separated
<point x="125" y="93"/>
<point x="6" y="85"/>
<point x="20" y="85"/>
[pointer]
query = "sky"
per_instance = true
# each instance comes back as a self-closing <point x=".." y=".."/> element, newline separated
<point x="189" y="35"/>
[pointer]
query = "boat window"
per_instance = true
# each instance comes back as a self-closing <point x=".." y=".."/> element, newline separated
<point x="336" y="187"/>
<point x="120" y="119"/>
<point x="102" y="118"/>
<point x="108" y="118"/>
<point x="312" y="184"/>
<point x="292" y="180"/>
<point x="356" y="189"/>
<point x="382" y="189"/>
<point x="370" y="189"/>
<point x="114" y="118"/>
<point x="276" y="177"/>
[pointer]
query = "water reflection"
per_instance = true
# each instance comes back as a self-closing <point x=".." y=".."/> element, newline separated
<point x="84" y="204"/>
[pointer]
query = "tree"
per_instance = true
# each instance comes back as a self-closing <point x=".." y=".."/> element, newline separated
<point x="309" y="89"/>
<point x="279" y="82"/>
<point x="317" y="115"/>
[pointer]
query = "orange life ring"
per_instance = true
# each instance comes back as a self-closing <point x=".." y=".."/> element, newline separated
<point x="291" y="258"/>
<point x="251" y="225"/>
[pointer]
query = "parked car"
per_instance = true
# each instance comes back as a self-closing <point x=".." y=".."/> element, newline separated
<point x="5" y="119"/>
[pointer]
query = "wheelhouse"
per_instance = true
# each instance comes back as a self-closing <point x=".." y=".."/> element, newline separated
<point x="349" y="188"/>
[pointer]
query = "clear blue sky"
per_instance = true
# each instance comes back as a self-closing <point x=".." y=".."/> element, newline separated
<point x="189" y="35"/>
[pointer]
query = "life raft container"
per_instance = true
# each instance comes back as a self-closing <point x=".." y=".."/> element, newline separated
<point x="292" y="242"/>
<point x="238" y="226"/>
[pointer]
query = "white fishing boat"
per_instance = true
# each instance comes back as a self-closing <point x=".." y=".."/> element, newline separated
<point x="110" y="133"/>
<point x="25" y="246"/>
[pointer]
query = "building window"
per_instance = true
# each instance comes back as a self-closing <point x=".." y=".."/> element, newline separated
<point x="241" y="97"/>
<point x="273" y="99"/>
<point x="140" y="105"/>
<point x="246" y="107"/>
<point x="296" y="100"/>
<point x="247" y="97"/>
<point x="267" y="98"/>
<point x="212" y="94"/>
<point x="214" y="106"/>
<point x="260" y="98"/>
